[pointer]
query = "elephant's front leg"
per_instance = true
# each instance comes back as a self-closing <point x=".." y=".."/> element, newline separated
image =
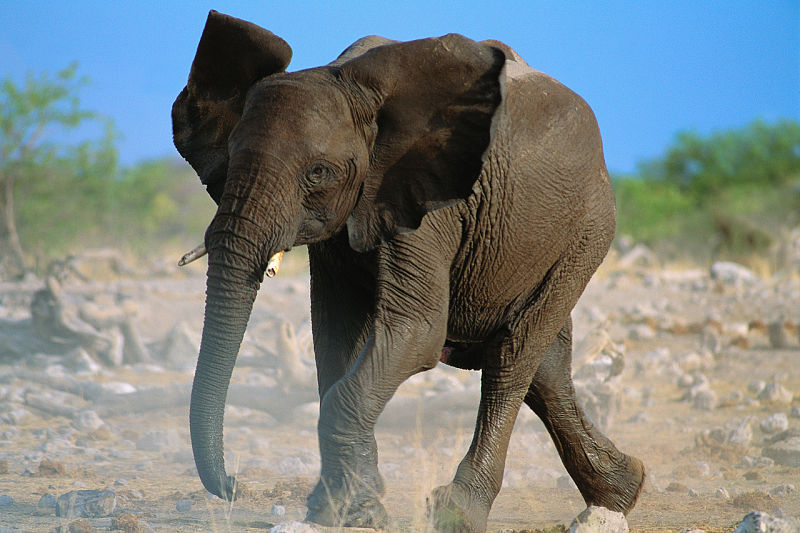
<point x="408" y="332"/>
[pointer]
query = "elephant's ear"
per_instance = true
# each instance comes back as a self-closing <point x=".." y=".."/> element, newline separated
<point x="436" y="102"/>
<point x="231" y="56"/>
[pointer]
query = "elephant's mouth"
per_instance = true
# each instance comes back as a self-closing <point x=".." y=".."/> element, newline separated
<point x="273" y="265"/>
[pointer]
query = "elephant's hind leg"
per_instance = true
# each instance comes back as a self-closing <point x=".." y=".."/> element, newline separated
<point x="604" y="475"/>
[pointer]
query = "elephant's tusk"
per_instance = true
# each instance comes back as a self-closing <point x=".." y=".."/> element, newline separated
<point x="196" y="253"/>
<point x="274" y="264"/>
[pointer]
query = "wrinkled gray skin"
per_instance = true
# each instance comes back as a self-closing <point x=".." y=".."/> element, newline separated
<point x="455" y="203"/>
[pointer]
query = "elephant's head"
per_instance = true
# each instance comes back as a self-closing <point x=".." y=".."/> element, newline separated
<point x="370" y="144"/>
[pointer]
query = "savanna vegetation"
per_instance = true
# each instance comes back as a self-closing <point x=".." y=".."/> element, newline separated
<point x="731" y="194"/>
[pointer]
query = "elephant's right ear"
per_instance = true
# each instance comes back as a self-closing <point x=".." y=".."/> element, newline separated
<point x="231" y="56"/>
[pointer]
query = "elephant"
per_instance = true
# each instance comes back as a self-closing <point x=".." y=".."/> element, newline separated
<point x="454" y="203"/>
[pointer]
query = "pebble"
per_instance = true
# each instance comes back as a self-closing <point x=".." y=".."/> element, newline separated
<point x="732" y="273"/>
<point x="641" y="332"/>
<point x="86" y="503"/>
<point x="723" y="493"/>
<point x="596" y="519"/>
<point x="756" y="386"/>
<point x="741" y="434"/>
<point x="775" y="423"/>
<point x="294" y="527"/>
<point x="705" y="400"/>
<point x="6" y="500"/>
<point x="278" y="510"/>
<point x="760" y="522"/>
<point x="785" y="452"/>
<point x="126" y="522"/>
<point x="795" y="412"/>
<point x="783" y="490"/>
<point x="118" y="387"/>
<point x="775" y="393"/>
<point x="47" y="501"/>
<point x="184" y="504"/>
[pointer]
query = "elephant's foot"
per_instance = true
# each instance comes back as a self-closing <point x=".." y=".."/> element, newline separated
<point x="616" y="488"/>
<point x="451" y="509"/>
<point x="339" y="507"/>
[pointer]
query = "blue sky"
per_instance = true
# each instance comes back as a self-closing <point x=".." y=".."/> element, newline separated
<point x="648" y="68"/>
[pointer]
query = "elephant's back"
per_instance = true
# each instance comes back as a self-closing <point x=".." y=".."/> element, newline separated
<point x="543" y="182"/>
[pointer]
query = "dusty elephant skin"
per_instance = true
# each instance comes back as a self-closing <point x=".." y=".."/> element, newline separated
<point x="455" y="203"/>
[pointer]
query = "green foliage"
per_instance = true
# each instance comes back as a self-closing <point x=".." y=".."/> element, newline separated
<point x="66" y="196"/>
<point x="727" y="194"/>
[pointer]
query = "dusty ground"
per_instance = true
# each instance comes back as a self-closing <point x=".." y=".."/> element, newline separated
<point x="697" y="359"/>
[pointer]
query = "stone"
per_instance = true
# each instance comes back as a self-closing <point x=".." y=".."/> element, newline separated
<point x="741" y="434"/>
<point x="184" y="504"/>
<point x="180" y="345"/>
<point x="48" y="468"/>
<point x="126" y="522"/>
<point x="47" y="501"/>
<point x="78" y="526"/>
<point x="86" y="503"/>
<point x="294" y="527"/>
<point x="6" y="500"/>
<point x="756" y="386"/>
<point x="641" y="332"/>
<point x="87" y="421"/>
<point x="117" y="387"/>
<point x="596" y="519"/>
<point x="785" y="452"/>
<point x="731" y="273"/>
<point x="795" y="412"/>
<point x="774" y="392"/>
<point x="278" y="510"/>
<point x="775" y="423"/>
<point x="705" y="399"/>
<point x="723" y="493"/>
<point x="783" y="490"/>
<point x="760" y="522"/>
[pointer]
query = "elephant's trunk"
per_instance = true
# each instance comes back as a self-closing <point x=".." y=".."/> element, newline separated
<point x="234" y="275"/>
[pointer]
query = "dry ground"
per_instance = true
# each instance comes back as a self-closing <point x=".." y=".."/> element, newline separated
<point x="670" y="323"/>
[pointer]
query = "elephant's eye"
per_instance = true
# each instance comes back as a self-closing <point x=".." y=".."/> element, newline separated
<point x="318" y="173"/>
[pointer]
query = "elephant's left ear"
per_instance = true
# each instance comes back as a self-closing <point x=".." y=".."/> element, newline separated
<point x="232" y="55"/>
<point x="436" y="104"/>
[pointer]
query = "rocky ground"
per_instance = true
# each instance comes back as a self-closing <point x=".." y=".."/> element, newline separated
<point x="695" y="371"/>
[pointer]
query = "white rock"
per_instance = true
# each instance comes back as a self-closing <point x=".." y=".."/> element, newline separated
<point x="783" y="490"/>
<point x="641" y="332"/>
<point x="776" y="393"/>
<point x="760" y="522"/>
<point x="785" y="452"/>
<point x="294" y="527"/>
<point x="732" y="273"/>
<point x="705" y="400"/>
<point x="87" y="421"/>
<point x="774" y="423"/>
<point x="741" y="434"/>
<point x="118" y="387"/>
<point x="756" y="386"/>
<point x="278" y="510"/>
<point x="723" y="493"/>
<point x="595" y="519"/>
